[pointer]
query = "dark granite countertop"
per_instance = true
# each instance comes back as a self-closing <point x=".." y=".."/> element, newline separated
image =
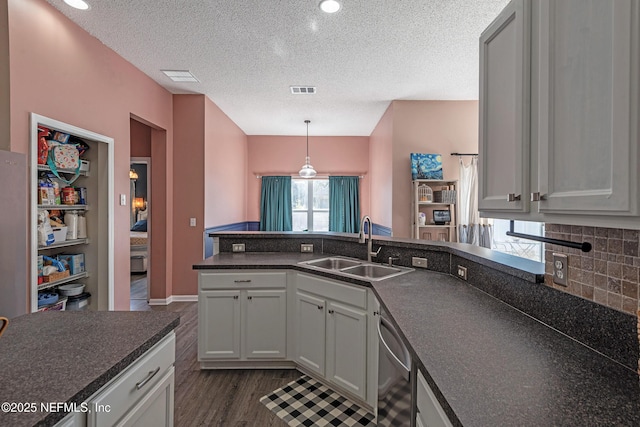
<point x="489" y="363"/>
<point x="67" y="356"/>
<point x="518" y="267"/>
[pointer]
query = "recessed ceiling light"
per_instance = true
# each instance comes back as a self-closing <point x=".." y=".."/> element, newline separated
<point x="180" y="75"/>
<point x="329" y="6"/>
<point x="78" y="4"/>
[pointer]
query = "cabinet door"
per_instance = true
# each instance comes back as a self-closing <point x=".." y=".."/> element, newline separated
<point x="310" y="332"/>
<point x="219" y="325"/>
<point x="156" y="409"/>
<point x="503" y="165"/>
<point x="265" y="324"/>
<point x="588" y="59"/>
<point x="347" y="348"/>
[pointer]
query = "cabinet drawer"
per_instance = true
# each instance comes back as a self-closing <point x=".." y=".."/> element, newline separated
<point x="121" y="394"/>
<point x="354" y="295"/>
<point x="429" y="413"/>
<point x="242" y="280"/>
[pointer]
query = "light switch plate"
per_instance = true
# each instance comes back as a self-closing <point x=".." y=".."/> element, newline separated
<point x="560" y="269"/>
<point x="237" y="247"/>
<point x="306" y="247"/>
<point x="123" y="200"/>
<point x="192" y="222"/>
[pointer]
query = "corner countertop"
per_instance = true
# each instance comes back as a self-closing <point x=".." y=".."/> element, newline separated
<point x="58" y="357"/>
<point x="488" y="363"/>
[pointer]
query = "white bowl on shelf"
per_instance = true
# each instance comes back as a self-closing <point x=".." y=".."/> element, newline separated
<point x="71" y="289"/>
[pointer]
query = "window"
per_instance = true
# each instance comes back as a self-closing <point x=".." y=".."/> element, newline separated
<point x="524" y="248"/>
<point x="310" y="200"/>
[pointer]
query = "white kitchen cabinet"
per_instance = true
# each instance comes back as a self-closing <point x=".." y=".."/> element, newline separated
<point x="347" y="348"/>
<point x="503" y="167"/>
<point x="311" y="332"/>
<point x="142" y="395"/>
<point x="219" y="325"/>
<point x="265" y="321"/>
<point x="242" y="316"/>
<point x="429" y="412"/>
<point x="581" y="163"/>
<point x="331" y="332"/>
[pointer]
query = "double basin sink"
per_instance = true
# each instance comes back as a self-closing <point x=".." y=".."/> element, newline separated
<point x="356" y="268"/>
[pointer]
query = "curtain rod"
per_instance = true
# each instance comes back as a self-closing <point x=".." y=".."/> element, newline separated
<point x="320" y="175"/>
<point x="464" y="154"/>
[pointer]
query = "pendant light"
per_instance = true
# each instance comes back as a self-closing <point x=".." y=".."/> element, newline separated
<point x="307" y="170"/>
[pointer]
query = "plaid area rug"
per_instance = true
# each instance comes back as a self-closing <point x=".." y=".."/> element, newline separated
<point x="307" y="402"/>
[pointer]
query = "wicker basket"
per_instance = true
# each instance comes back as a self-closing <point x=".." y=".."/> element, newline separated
<point x="56" y="276"/>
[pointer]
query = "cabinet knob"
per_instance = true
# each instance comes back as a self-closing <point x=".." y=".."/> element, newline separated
<point x="235" y="297"/>
<point x="376" y="313"/>
<point x="536" y="197"/>
<point x="513" y="197"/>
<point x="330" y="311"/>
<point x="320" y="307"/>
<point x="249" y="297"/>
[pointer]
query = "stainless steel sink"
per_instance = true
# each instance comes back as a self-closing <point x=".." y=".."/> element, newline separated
<point x="372" y="271"/>
<point x="355" y="268"/>
<point x="333" y="263"/>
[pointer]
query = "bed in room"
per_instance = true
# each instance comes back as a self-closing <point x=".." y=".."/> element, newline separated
<point x="139" y="241"/>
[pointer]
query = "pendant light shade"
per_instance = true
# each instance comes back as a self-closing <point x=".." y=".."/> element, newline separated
<point x="307" y="170"/>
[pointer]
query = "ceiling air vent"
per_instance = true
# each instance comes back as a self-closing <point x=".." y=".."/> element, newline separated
<point x="303" y="90"/>
<point x="180" y="76"/>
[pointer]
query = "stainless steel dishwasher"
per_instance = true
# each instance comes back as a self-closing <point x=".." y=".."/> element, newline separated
<point x="394" y="376"/>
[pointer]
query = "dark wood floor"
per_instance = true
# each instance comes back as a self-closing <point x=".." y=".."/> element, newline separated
<point x="228" y="398"/>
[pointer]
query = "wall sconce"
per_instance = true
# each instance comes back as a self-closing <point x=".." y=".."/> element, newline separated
<point x="133" y="174"/>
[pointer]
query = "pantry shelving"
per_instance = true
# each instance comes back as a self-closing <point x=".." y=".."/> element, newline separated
<point x="95" y="183"/>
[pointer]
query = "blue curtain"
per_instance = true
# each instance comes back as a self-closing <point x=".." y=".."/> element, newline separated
<point x="344" y="204"/>
<point x="275" y="204"/>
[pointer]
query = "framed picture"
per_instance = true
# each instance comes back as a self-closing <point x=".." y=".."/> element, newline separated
<point x="440" y="217"/>
<point x="426" y="166"/>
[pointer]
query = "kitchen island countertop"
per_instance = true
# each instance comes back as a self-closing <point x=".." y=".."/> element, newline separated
<point x="488" y="363"/>
<point x="65" y="357"/>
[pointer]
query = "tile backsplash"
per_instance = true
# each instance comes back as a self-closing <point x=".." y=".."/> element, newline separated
<point x="608" y="274"/>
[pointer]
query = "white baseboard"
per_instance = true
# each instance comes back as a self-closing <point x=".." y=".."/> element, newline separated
<point x="173" y="298"/>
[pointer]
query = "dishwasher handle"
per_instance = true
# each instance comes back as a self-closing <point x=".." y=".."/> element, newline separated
<point x="393" y="357"/>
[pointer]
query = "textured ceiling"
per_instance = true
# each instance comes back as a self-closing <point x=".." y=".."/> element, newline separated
<point x="246" y="54"/>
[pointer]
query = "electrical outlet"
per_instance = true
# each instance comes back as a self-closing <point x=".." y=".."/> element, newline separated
<point x="306" y="247"/>
<point x="192" y="222"/>
<point x="123" y="200"/>
<point x="419" y="262"/>
<point x="560" y="269"/>
<point x="237" y="247"/>
<point x="462" y="272"/>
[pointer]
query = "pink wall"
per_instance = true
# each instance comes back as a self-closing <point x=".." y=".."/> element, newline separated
<point x="188" y="156"/>
<point x="381" y="168"/>
<point x="285" y="155"/>
<point x="60" y="71"/>
<point x="5" y="128"/>
<point x="140" y="139"/>
<point x="210" y="156"/>
<point x="225" y="169"/>
<point x="440" y="127"/>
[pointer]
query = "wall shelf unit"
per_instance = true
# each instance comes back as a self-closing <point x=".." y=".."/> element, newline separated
<point x="429" y="195"/>
<point x="98" y="247"/>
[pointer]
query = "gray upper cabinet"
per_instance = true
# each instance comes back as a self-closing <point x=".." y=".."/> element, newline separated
<point x="504" y="111"/>
<point x="585" y="111"/>
<point x="581" y="152"/>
